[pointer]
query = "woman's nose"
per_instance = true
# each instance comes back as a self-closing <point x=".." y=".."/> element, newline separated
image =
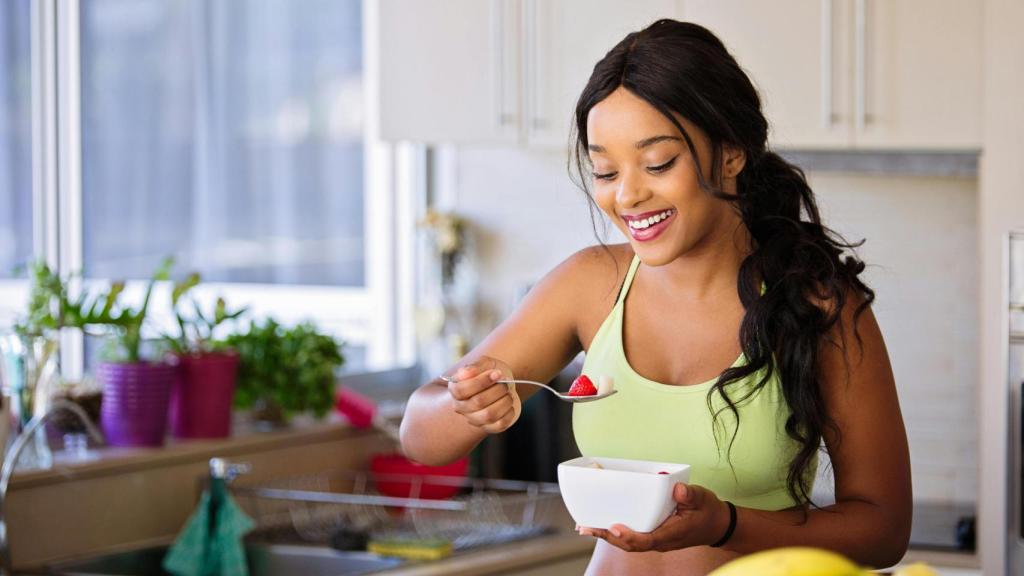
<point x="632" y="189"/>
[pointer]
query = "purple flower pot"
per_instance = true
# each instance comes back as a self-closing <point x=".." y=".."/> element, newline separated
<point x="135" y="399"/>
<point x="202" y="396"/>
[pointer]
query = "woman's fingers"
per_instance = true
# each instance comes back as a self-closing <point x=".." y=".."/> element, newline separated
<point x="484" y="403"/>
<point x="469" y="386"/>
<point x="634" y="541"/>
<point x="493" y="413"/>
<point x="503" y="423"/>
<point x="673" y="534"/>
<point x="622" y="537"/>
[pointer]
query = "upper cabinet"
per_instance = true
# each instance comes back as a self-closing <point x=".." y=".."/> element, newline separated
<point x="921" y="77"/>
<point x="449" y="70"/>
<point x="563" y="40"/>
<point x="495" y="71"/>
<point x="866" y="74"/>
<point x="833" y="74"/>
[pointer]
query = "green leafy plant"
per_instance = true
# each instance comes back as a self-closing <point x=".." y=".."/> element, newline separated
<point x="195" y="330"/>
<point x="51" y="307"/>
<point x="125" y="323"/>
<point x="292" y="370"/>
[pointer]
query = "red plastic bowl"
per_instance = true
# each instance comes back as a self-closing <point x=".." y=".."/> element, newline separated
<point x="383" y="465"/>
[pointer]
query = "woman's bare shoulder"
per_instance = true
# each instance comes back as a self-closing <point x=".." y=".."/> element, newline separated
<point x="596" y="271"/>
<point x="588" y="283"/>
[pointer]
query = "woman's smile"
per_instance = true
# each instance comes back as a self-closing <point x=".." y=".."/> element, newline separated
<point x="647" y="226"/>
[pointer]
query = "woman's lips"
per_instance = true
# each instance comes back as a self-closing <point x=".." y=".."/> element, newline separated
<point x="652" y="231"/>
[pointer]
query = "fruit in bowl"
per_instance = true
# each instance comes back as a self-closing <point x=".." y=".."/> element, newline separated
<point x="599" y="492"/>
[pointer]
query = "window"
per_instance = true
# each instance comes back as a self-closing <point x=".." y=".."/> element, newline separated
<point x="228" y="134"/>
<point x="15" y="137"/>
<point x="236" y="136"/>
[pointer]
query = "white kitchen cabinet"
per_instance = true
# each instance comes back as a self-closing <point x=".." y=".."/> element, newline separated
<point x="789" y="48"/>
<point x="449" y="70"/>
<point x="922" y="74"/>
<point x="495" y="71"/>
<point x="564" y="39"/>
<point x="872" y="74"/>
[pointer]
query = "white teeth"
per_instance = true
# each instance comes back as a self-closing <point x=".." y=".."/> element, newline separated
<point x="647" y="222"/>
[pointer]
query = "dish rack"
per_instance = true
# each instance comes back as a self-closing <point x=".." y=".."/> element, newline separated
<point x="314" y="509"/>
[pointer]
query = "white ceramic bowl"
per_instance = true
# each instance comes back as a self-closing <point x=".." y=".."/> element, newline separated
<point x="628" y="492"/>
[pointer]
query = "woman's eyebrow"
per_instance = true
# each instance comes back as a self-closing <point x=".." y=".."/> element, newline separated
<point x="639" y="145"/>
<point x="654" y="140"/>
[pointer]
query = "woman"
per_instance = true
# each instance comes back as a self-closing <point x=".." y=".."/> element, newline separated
<point x="738" y="336"/>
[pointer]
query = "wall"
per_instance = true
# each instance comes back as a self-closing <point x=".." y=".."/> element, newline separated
<point x="1000" y="209"/>
<point x="921" y="242"/>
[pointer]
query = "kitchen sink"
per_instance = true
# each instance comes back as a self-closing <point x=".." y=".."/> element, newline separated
<point x="264" y="560"/>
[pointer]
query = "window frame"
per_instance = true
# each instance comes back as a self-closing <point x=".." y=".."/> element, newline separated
<point x="378" y="315"/>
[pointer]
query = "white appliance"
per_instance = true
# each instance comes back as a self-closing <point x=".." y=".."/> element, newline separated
<point x="1015" y="513"/>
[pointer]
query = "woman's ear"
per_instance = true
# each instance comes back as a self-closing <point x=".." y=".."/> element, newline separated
<point x="733" y="161"/>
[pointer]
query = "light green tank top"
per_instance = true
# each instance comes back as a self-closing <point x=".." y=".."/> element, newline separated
<point x="648" y="420"/>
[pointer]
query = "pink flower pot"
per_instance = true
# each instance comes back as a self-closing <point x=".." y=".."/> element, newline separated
<point x="202" y="396"/>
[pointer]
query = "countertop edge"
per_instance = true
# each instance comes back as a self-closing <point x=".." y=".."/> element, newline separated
<point x="521" y="554"/>
<point x="112" y="461"/>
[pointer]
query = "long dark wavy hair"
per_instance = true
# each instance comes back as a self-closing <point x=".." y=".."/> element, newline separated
<point x="682" y="68"/>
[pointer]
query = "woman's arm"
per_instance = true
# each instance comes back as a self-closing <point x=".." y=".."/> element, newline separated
<point x="870" y="521"/>
<point x="445" y="422"/>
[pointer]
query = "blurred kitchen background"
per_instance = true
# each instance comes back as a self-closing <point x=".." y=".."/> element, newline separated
<point x="396" y="171"/>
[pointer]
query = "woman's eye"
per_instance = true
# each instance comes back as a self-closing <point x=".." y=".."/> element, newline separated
<point x="653" y="169"/>
<point x="663" y="167"/>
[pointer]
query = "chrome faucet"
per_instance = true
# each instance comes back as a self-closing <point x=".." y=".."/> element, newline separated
<point x="11" y="460"/>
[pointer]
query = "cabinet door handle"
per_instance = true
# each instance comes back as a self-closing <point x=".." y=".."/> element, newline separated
<point x="827" y="113"/>
<point x="861" y="62"/>
<point x="530" y="23"/>
<point x="498" y="61"/>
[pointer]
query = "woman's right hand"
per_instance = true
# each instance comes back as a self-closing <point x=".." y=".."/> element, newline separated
<point x="480" y="400"/>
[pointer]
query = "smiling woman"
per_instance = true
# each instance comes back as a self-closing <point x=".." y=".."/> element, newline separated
<point x="735" y="326"/>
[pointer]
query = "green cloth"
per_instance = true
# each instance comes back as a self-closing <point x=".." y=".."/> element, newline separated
<point x="211" y="542"/>
<point x="649" y="420"/>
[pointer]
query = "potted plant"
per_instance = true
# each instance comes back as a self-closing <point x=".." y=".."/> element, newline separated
<point x="30" y="349"/>
<point x="29" y="360"/>
<point x="136" y="391"/>
<point x="202" y="395"/>
<point x="285" y="371"/>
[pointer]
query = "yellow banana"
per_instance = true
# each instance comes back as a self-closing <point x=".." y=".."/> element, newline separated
<point x="793" y="561"/>
<point x="915" y="569"/>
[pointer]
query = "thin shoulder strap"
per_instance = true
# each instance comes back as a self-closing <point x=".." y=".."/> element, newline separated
<point x="629" y="279"/>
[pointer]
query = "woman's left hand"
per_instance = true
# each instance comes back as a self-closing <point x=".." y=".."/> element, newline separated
<point x="700" y="519"/>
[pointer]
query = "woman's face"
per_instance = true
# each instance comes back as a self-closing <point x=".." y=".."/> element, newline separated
<point x="645" y="179"/>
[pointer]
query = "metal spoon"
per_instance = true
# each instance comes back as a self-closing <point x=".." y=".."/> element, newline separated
<point x="563" y="397"/>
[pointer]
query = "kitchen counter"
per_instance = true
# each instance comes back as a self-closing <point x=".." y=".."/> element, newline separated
<point x="543" y="555"/>
<point x="126" y="499"/>
<point x="106" y="460"/>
